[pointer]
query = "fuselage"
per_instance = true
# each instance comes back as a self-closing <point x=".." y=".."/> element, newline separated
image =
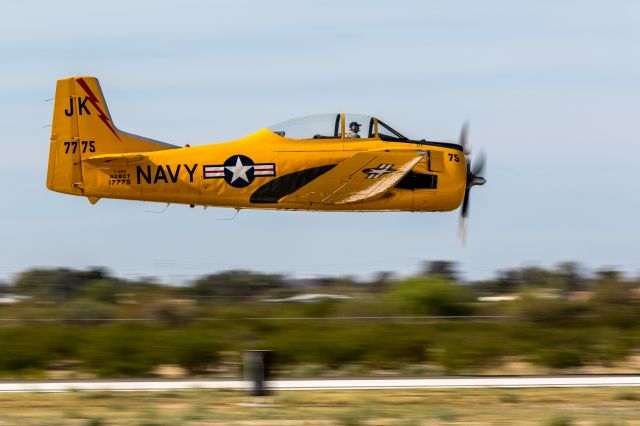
<point x="201" y="175"/>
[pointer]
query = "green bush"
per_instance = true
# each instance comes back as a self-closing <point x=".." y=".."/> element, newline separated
<point x="338" y="344"/>
<point x="32" y="347"/>
<point x="431" y="296"/>
<point x="560" y="357"/>
<point x="468" y="348"/>
<point x="122" y="350"/>
<point x="103" y="290"/>
<point x="85" y="312"/>
<point x="56" y="283"/>
<point x="194" y="348"/>
<point x="22" y="349"/>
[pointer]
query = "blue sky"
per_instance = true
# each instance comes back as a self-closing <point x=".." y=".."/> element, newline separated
<point x="552" y="91"/>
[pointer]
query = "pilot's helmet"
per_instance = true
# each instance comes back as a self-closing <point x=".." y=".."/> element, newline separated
<point x="354" y="124"/>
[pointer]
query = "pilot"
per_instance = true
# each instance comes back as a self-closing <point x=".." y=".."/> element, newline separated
<point x="354" y="128"/>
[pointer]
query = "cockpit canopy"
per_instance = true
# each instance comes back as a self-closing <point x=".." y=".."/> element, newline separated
<point x="336" y="126"/>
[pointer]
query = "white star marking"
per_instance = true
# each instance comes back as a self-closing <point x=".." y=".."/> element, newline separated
<point x="239" y="171"/>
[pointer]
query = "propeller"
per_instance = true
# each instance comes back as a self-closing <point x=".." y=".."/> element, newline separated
<point x="473" y="178"/>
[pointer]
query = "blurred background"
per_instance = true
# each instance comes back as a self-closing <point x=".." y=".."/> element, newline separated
<point x="67" y="323"/>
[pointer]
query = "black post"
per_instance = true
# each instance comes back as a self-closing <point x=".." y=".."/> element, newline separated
<point x="257" y="366"/>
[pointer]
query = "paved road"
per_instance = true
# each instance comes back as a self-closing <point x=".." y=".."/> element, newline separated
<point x="318" y="384"/>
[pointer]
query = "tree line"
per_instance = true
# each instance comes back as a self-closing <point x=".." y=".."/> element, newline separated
<point x="92" y="322"/>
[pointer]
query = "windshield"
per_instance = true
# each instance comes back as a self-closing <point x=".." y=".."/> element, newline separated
<point x="329" y="126"/>
<point x="386" y="133"/>
<point x="322" y="126"/>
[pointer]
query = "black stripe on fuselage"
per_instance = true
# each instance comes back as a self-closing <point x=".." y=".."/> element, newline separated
<point x="439" y="144"/>
<point x="282" y="186"/>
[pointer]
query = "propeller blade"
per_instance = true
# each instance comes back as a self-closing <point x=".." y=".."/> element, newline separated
<point x="474" y="169"/>
<point x="464" y="213"/>
<point x="464" y="139"/>
<point x="479" y="164"/>
<point x="462" y="231"/>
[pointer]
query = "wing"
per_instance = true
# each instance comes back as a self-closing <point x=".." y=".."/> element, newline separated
<point x="364" y="176"/>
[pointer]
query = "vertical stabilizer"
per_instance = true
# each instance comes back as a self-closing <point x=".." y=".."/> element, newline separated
<point x="82" y="127"/>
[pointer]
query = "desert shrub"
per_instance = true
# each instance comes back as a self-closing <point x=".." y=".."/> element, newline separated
<point x="431" y="296"/>
<point x="172" y="312"/>
<point x="560" y="357"/>
<point x="237" y="285"/>
<point x="101" y="290"/>
<point x="22" y="349"/>
<point x="544" y="310"/>
<point x="193" y="348"/>
<point x="122" y="350"/>
<point x="471" y="347"/>
<point x="562" y="348"/>
<point x="317" y="343"/>
<point x="85" y="312"/>
<point x="334" y="345"/>
<point x="56" y="283"/>
<point x="32" y="347"/>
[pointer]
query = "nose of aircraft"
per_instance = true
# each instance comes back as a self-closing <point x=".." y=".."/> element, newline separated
<point x="477" y="180"/>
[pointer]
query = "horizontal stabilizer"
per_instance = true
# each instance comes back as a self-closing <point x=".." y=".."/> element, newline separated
<point x="364" y="176"/>
<point x="109" y="159"/>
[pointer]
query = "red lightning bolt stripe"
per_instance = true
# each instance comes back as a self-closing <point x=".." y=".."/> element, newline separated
<point x="94" y="101"/>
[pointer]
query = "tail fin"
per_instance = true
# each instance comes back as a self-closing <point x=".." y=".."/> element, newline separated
<point x="82" y="128"/>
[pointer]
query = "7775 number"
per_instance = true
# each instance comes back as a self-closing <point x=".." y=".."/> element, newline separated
<point x="84" y="145"/>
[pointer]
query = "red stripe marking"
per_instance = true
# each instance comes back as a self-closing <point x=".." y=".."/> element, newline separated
<point x="94" y="101"/>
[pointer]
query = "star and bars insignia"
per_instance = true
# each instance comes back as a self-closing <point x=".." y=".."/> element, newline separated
<point x="239" y="171"/>
<point x="382" y="169"/>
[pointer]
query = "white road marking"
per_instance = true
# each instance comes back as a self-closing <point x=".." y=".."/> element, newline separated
<point x="325" y="384"/>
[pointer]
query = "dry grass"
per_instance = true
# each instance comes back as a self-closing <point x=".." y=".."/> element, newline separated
<point x="577" y="406"/>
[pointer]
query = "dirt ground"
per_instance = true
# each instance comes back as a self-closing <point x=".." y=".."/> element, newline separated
<point x="553" y="406"/>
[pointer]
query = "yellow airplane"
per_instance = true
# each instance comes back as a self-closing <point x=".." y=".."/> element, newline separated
<point x="329" y="162"/>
